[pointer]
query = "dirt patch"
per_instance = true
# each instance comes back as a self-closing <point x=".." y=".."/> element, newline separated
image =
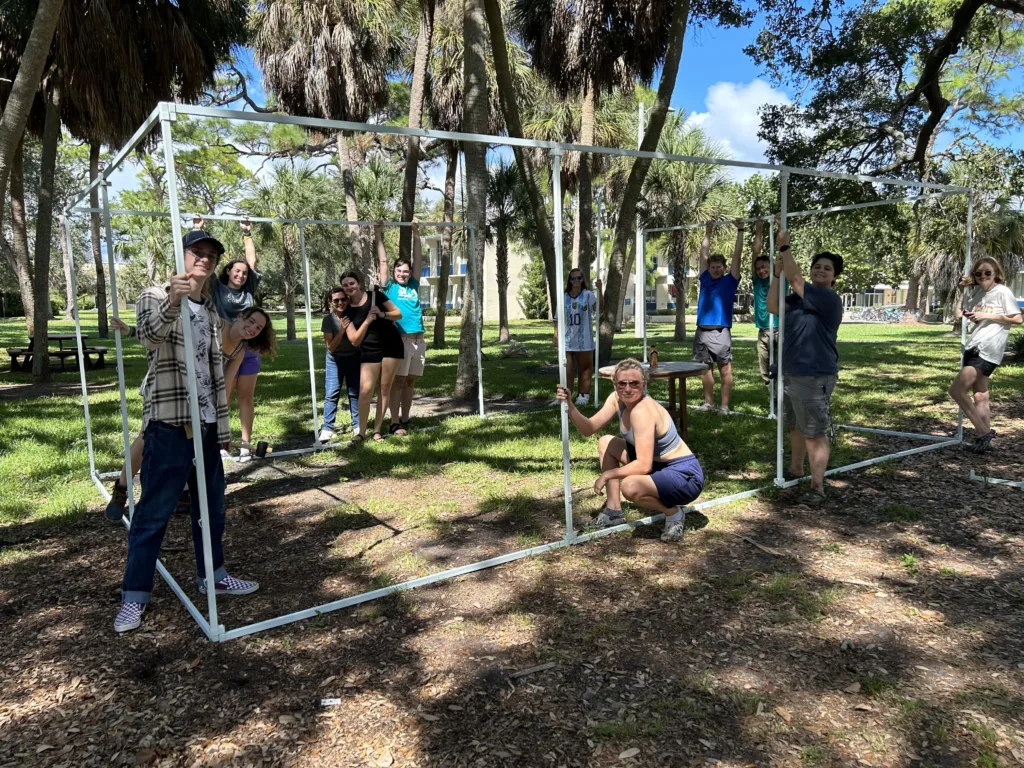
<point x="880" y="630"/>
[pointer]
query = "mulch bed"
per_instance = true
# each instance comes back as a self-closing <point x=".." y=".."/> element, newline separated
<point x="883" y="629"/>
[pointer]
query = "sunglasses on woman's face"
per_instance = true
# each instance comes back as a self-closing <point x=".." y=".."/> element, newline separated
<point x="987" y="273"/>
<point x="575" y="277"/>
<point x="629" y="384"/>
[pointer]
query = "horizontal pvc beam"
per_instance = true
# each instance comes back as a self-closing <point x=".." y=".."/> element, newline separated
<point x="166" y="576"/>
<point x="273" y="220"/>
<point x="878" y="460"/>
<point x="393" y="130"/>
<point x="833" y="209"/>
<point x="893" y="433"/>
<point x="996" y="480"/>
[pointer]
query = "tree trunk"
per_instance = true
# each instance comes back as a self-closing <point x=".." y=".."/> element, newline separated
<point x="23" y="91"/>
<point x="289" y="250"/>
<point x="501" y="271"/>
<point x="18" y="254"/>
<point x="44" y="231"/>
<point x="451" y="171"/>
<point x="153" y="256"/>
<point x="66" y="255"/>
<point x="514" y="127"/>
<point x="421" y="61"/>
<point x="624" y="227"/>
<point x="94" y="231"/>
<point x="474" y="120"/>
<point x="620" y="303"/>
<point x="679" y="281"/>
<point x="913" y="287"/>
<point x="348" y="183"/>
<point x="923" y="293"/>
<point x="583" y="254"/>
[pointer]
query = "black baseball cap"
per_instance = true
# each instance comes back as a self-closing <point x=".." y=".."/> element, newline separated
<point x="196" y="235"/>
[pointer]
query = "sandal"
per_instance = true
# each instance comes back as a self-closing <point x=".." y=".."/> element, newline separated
<point x="810" y="498"/>
<point x="982" y="444"/>
<point x="406" y="425"/>
<point x="378" y="437"/>
<point x="397" y="429"/>
<point x="356" y="440"/>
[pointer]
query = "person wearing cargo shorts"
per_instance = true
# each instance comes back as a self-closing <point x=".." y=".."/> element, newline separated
<point x="810" y="359"/>
<point x="712" y="343"/>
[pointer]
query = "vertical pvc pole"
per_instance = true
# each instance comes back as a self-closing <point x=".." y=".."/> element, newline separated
<point x="597" y="317"/>
<point x="556" y="175"/>
<point x="641" y="260"/>
<point x="166" y="117"/>
<point x="309" y="328"/>
<point x="779" y="394"/>
<point x="963" y="320"/>
<point x="771" y="317"/>
<point x="478" y="295"/>
<point x="81" y="352"/>
<point x="129" y="470"/>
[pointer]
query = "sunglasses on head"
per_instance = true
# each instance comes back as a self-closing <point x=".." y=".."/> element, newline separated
<point x="985" y="273"/>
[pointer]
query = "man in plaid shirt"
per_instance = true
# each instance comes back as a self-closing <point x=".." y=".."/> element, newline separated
<point x="168" y="455"/>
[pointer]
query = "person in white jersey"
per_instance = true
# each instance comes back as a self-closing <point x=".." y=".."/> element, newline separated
<point x="991" y="309"/>
<point x="578" y="307"/>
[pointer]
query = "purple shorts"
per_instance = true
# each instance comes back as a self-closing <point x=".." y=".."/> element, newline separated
<point x="250" y="364"/>
<point x="679" y="481"/>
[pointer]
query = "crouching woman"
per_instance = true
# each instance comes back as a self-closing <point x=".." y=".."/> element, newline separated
<point x="648" y="463"/>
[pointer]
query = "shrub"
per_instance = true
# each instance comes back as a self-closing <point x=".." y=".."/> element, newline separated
<point x="86" y="303"/>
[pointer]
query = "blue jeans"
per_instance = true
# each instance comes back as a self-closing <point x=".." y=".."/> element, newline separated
<point x="347" y="370"/>
<point x="167" y="464"/>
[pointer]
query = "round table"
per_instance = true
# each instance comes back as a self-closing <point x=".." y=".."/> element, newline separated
<point x="672" y="372"/>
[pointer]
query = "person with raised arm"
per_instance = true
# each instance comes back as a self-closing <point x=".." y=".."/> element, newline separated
<point x="991" y="309"/>
<point x="810" y="359"/>
<point x="647" y="463"/>
<point x="168" y="457"/>
<point x="761" y="280"/>
<point x="402" y="287"/>
<point x="712" y="342"/>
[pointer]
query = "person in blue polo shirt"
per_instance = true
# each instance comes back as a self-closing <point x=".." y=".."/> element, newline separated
<point x="712" y="343"/>
<point x="403" y="289"/>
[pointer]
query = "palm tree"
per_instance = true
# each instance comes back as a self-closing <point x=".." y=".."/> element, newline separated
<point x="676" y="194"/>
<point x="379" y="189"/>
<point x="329" y="60"/>
<point x="474" y="120"/>
<point x="445" y="94"/>
<point x="291" y="192"/>
<point x="506" y="205"/>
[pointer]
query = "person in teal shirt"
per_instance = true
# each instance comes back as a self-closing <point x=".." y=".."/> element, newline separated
<point x="761" y="278"/>
<point x="403" y="289"/>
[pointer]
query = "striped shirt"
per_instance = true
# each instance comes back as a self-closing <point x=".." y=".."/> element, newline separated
<point x="165" y="396"/>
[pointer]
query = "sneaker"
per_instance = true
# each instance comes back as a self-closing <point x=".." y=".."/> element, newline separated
<point x="724" y="410"/>
<point x="244" y="455"/>
<point x="129" y="617"/>
<point x="225" y="454"/>
<point x="229" y="585"/>
<point x="184" y="505"/>
<point x="606" y="519"/>
<point x="554" y="403"/>
<point x="706" y="408"/>
<point x="583" y="400"/>
<point x="982" y="444"/>
<point x="326" y="435"/>
<point x="118" y="504"/>
<point x="674" y="530"/>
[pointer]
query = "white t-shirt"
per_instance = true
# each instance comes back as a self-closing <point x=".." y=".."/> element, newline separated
<point x="988" y="337"/>
<point x="201" y="335"/>
<point x="579" y="321"/>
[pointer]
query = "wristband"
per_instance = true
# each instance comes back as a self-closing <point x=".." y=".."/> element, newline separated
<point x="784" y="248"/>
<point x="246" y="236"/>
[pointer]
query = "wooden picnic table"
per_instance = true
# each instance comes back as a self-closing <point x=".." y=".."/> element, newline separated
<point x="25" y="353"/>
<point x="675" y="373"/>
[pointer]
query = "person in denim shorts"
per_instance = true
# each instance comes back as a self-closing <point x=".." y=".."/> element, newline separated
<point x="810" y="359"/>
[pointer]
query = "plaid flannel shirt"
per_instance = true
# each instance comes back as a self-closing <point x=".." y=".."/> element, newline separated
<point x="166" y="384"/>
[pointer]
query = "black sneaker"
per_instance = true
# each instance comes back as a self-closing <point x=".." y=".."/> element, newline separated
<point x="982" y="444"/>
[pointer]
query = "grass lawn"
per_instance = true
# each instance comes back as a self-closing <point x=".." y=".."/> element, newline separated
<point x="881" y="629"/>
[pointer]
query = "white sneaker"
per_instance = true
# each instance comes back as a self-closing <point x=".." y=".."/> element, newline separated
<point x="244" y="455"/>
<point x="724" y="410"/>
<point x="582" y="400"/>
<point x="706" y="408"/>
<point x="225" y="454"/>
<point x="326" y="435"/>
<point x="554" y="403"/>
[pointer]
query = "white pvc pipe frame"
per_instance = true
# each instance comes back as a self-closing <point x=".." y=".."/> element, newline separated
<point x="166" y="113"/>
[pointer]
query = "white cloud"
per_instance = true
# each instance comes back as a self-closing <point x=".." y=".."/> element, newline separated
<point x="732" y="118"/>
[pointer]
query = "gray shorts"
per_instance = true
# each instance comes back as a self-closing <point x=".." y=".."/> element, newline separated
<point x="712" y="345"/>
<point x="807" y="401"/>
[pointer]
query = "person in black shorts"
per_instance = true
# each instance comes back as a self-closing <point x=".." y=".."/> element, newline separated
<point x="374" y="332"/>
